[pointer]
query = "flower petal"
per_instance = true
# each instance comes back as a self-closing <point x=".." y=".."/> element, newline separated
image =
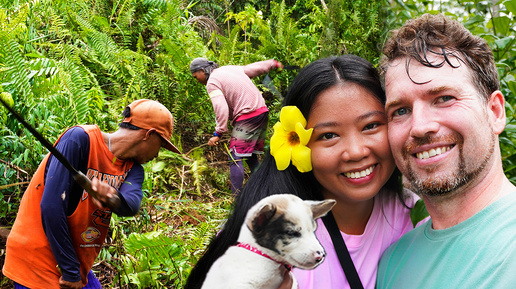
<point x="282" y="157"/>
<point x="289" y="116"/>
<point x="304" y="134"/>
<point x="285" y="146"/>
<point x="279" y="137"/>
<point x="301" y="158"/>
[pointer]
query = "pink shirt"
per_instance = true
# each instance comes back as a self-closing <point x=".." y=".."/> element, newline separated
<point x="232" y="92"/>
<point x="388" y="222"/>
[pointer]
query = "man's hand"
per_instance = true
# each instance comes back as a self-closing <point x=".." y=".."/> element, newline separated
<point x="214" y="140"/>
<point x="104" y="193"/>
<point x="279" y="66"/>
<point x="69" y="285"/>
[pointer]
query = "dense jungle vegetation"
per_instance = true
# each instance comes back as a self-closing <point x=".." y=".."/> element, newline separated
<point x="80" y="62"/>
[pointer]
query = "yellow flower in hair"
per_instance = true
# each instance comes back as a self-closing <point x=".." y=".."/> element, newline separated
<point x="288" y="143"/>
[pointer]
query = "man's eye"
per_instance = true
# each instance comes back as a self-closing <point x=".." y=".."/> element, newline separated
<point x="400" y="111"/>
<point x="445" y="98"/>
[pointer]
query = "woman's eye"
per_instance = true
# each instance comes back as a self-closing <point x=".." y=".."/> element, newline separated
<point x="371" y="126"/>
<point x="328" y="135"/>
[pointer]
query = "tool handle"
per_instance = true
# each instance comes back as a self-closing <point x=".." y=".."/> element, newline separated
<point x="112" y="203"/>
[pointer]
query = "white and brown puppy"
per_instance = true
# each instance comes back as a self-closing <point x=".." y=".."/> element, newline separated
<point x="278" y="232"/>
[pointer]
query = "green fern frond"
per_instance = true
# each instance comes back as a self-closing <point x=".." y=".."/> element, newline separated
<point x="129" y="87"/>
<point x="43" y="72"/>
<point x="155" y="3"/>
<point x="82" y="108"/>
<point x="42" y="67"/>
<point x="200" y="236"/>
<point x="152" y="256"/>
<point x="101" y="43"/>
<point x="151" y="15"/>
<point x="12" y="24"/>
<point x="75" y="84"/>
<point x="197" y="167"/>
<point x="230" y="46"/>
<point x="58" y="25"/>
<point x="70" y="52"/>
<point x="18" y="73"/>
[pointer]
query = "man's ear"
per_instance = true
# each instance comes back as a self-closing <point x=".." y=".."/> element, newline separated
<point x="149" y="133"/>
<point x="496" y="110"/>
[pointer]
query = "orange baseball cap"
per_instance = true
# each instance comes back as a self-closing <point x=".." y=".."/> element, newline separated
<point x="147" y="114"/>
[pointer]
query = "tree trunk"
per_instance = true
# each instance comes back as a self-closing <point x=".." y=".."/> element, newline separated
<point x="326" y="7"/>
<point x="495" y="8"/>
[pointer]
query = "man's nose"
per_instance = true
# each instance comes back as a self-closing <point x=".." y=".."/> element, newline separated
<point x="424" y="122"/>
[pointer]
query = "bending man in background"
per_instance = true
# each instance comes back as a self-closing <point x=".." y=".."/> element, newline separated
<point x="235" y="97"/>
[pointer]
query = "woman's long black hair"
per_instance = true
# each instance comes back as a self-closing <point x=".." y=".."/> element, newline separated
<point x="267" y="180"/>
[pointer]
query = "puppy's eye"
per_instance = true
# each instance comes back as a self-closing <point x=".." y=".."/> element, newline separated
<point x="292" y="233"/>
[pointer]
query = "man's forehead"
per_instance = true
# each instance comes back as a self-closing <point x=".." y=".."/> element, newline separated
<point x="396" y="70"/>
<point x="405" y="77"/>
<point x="422" y="73"/>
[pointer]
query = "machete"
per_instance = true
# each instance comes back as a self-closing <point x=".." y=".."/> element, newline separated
<point x="267" y="81"/>
<point x="78" y="176"/>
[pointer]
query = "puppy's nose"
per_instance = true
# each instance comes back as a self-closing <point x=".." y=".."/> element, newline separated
<point x="319" y="256"/>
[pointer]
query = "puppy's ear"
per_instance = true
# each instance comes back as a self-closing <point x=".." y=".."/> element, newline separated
<point x="321" y="208"/>
<point x="262" y="217"/>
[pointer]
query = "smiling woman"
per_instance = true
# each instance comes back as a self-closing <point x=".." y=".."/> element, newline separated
<point x="334" y="107"/>
<point x="352" y="163"/>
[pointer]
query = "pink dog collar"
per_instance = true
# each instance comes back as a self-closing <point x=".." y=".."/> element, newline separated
<point x="257" y="251"/>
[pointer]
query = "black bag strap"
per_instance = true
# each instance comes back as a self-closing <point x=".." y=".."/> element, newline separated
<point x="342" y="252"/>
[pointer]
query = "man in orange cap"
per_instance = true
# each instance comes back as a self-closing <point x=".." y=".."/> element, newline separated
<point x="60" y="229"/>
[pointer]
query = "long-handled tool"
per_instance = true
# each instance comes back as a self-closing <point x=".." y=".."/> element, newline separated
<point x="267" y="81"/>
<point x="78" y="176"/>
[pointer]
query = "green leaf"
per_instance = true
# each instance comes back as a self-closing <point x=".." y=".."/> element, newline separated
<point x="158" y="167"/>
<point x="418" y="213"/>
<point x="512" y="86"/>
<point x="503" y="42"/>
<point x="502" y="25"/>
<point x="511" y="6"/>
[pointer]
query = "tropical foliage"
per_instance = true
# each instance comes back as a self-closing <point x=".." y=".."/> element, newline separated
<point x="74" y="62"/>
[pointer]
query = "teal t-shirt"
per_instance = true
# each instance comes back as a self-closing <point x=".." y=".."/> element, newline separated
<point x="477" y="253"/>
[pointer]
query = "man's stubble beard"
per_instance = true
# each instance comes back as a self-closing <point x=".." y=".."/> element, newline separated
<point x="443" y="186"/>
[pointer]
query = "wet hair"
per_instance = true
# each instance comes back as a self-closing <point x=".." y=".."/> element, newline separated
<point x="438" y="35"/>
<point x="268" y="180"/>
